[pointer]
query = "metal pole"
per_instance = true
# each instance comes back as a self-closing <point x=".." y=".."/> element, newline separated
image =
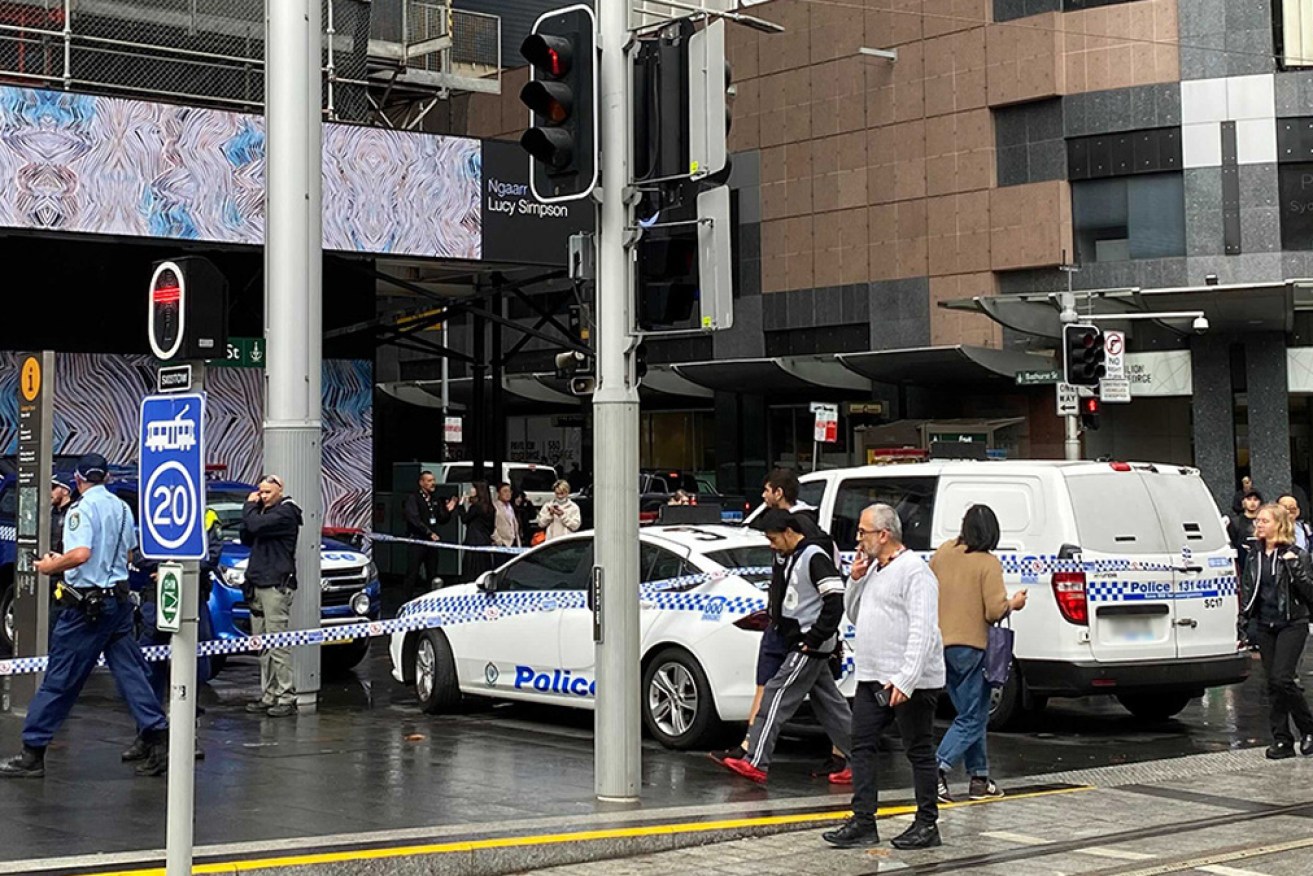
<point x="615" y="418"/>
<point x="1071" y="445"/>
<point x="293" y="296"/>
<point x="182" y="707"/>
<point x="446" y="385"/>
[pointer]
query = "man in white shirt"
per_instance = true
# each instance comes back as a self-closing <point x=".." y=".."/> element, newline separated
<point x="893" y="598"/>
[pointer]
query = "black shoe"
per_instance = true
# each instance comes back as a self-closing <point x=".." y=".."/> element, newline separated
<point x="258" y="707"/>
<point x="138" y="750"/>
<point x="945" y="796"/>
<point x="856" y="832"/>
<point x="156" y="762"/>
<point x="1306" y="744"/>
<point x="282" y="710"/>
<point x="983" y="788"/>
<point x="918" y="836"/>
<point x="836" y="764"/>
<point x="1280" y="750"/>
<point x="31" y="764"/>
<point x="735" y="753"/>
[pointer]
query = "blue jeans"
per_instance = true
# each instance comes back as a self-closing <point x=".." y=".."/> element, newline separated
<point x="74" y="647"/>
<point x="967" y="688"/>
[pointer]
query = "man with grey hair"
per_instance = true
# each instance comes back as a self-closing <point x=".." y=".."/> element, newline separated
<point x="893" y="598"/>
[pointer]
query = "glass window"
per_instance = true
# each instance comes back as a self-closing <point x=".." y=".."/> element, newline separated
<point x="811" y="493"/>
<point x="536" y="480"/>
<point x="755" y="557"/>
<point x="912" y="497"/>
<point x="659" y="564"/>
<point x="1130" y="217"/>
<point x="560" y="566"/>
<point x="1296" y="185"/>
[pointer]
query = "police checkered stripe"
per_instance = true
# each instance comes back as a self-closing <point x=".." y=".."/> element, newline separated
<point x="1047" y="564"/>
<point x="8" y="533"/>
<point x="1127" y="591"/>
<point x="704" y="603"/>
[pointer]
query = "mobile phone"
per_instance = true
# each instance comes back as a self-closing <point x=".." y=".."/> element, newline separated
<point x="882" y="697"/>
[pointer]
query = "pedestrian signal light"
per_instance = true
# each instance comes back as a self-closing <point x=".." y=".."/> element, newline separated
<point x="1082" y="355"/>
<point x="1090" y="408"/>
<point x="561" y="95"/>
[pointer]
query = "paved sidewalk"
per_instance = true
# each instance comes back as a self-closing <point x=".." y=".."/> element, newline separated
<point x="1231" y="814"/>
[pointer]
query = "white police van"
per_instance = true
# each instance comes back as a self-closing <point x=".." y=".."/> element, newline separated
<point x="525" y="630"/>
<point x="1131" y="580"/>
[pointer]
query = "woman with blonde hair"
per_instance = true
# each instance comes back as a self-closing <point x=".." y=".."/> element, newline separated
<point x="561" y="515"/>
<point x="1276" y="590"/>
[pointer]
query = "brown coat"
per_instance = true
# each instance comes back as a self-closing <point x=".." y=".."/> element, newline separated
<point x="971" y="594"/>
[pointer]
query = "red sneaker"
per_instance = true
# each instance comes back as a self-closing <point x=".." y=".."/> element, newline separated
<point x="745" y="769"/>
<point x="843" y="777"/>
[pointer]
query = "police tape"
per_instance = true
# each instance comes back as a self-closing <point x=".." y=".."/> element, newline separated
<point x="446" y="545"/>
<point x="444" y="610"/>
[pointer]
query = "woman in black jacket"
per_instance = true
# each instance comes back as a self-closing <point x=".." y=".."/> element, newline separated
<point x="1276" y="591"/>
<point x="479" y="518"/>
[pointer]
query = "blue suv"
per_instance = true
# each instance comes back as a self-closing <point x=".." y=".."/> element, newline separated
<point x="349" y="585"/>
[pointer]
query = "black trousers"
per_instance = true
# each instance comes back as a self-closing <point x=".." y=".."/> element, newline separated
<point x="1281" y="647"/>
<point x="916" y="724"/>
<point x="421" y="569"/>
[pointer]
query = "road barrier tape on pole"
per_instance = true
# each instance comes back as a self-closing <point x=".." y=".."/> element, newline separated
<point x="439" y="610"/>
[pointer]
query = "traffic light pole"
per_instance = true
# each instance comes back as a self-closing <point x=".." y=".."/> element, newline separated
<point x="1072" y="443"/>
<point x="615" y="422"/>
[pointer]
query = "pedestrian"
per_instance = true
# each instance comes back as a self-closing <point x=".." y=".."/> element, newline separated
<point x="576" y="478"/>
<point x="680" y="497"/>
<point x="971" y="597"/>
<point x="1237" y="500"/>
<point x="271" y="522"/>
<point x="424" y="512"/>
<point x="811" y="612"/>
<point x="96" y="617"/>
<point x="61" y="498"/>
<point x="779" y="491"/>
<point x="1240" y="527"/>
<point x="1276" y="591"/>
<point x="480" y="519"/>
<point x="561" y="515"/>
<point x="893" y="598"/>
<point x="526" y="514"/>
<point x="506" y="526"/>
<point x="1302" y="531"/>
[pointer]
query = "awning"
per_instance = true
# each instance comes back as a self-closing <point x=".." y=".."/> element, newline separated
<point x="530" y="387"/>
<point x="664" y="380"/>
<point x="780" y="373"/>
<point x="935" y="365"/>
<point x="1234" y="307"/>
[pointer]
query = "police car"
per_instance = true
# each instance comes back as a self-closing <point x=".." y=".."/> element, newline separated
<point x="525" y="631"/>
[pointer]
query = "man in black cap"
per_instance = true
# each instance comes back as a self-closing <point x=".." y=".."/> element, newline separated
<point x="95" y="618"/>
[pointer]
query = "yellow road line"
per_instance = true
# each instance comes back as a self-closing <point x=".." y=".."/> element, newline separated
<point x="558" y="838"/>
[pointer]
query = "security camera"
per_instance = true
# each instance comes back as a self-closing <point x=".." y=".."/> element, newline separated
<point x="1200" y="325"/>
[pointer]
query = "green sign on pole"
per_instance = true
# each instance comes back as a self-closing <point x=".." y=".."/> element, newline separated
<point x="243" y="353"/>
<point x="168" y="597"/>
<point x="1039" y="378"/>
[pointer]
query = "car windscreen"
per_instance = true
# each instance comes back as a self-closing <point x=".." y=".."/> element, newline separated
<point x="228" y="505"/>
<point x="533" y="480"/>
<point x="748" y="557"/>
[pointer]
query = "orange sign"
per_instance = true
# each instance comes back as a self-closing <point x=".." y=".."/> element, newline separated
<point x="30" y="381"/>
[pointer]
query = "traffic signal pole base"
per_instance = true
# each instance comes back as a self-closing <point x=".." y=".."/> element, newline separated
<point x="1072" y="442"/>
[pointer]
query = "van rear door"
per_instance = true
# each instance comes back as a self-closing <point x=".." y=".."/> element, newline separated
<point x="1128" y="566"/>
<point x="1205" y="603"/>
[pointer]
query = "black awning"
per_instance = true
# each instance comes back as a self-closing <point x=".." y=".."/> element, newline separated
<point x="937" y="365"/>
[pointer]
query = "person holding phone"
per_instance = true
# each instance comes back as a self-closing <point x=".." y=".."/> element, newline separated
<point x="271" y="522"/>
<point x="893" y="599"/>
<point x="1276" y="591"/>
<point x="561" y="515"/>
<point x="480" y="519"/>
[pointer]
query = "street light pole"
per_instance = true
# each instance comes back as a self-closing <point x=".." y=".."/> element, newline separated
<point x="615" y="421"/>
<point x="1071" y="445"/>
<point x="293" y="296"/>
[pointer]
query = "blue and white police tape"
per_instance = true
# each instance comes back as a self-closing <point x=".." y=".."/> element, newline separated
<point x="488" y="549"/>
<point x="439" y="609"/>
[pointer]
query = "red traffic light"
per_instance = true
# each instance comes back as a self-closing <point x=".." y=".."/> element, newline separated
<point x="551" y="56"/>
<point x="1090" y="405"/>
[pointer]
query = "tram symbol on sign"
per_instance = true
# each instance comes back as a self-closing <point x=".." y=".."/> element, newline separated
<point x="178" y="433"/>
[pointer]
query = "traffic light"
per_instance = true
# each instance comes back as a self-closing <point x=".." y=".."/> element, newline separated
<point x="187" y="314"/>
<point x="561" y="95"/>
<point x="710" y="93"/>
<point x="667" y="277"/>
<point x="1082" y="355"/>
<point x="1089" y="413"/>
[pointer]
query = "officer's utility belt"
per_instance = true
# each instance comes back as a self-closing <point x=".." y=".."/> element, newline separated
<point x="89" y="600"/>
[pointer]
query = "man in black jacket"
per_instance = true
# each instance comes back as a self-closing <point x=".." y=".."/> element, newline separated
<point x="270" y="524"/>
<point x="424" y="512"/>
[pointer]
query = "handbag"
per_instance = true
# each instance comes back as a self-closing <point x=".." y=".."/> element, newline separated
<point x="998" y="653"/>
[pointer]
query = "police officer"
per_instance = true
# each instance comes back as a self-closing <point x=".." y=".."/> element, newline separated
<point x="61" y="497"/>
<point x="424" y="512"/>
<point x="95" y="618"/>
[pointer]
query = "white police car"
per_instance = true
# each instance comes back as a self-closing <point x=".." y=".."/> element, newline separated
<point x="525" y="630"/>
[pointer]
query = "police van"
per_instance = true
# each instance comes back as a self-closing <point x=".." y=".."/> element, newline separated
<point x="1130" y="577"/>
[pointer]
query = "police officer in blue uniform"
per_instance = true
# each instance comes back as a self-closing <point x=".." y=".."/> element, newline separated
<point x="95" y="618"/>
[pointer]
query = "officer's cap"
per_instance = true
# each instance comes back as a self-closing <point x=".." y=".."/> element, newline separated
<point x="92" y="467"/>
<point x="58" y="481"/>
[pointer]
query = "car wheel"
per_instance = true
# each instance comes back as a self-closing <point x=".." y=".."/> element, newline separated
<point x="1154" y="707"/>
<point x="436" y="686"/>
<point x="677" y="705"/>
<point x="342" y="658"/>
<point x="1006" y="703"/>
<point x="7" y="612"/>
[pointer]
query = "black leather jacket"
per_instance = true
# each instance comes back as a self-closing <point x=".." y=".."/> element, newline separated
<point x="271" y="533"/>
<point x="1294" y="586"/>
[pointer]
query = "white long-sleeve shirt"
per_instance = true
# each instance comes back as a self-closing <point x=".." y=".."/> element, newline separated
<point x="896" y="610"/>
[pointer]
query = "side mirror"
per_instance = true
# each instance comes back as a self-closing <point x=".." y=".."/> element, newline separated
<point x="487" y="582"/>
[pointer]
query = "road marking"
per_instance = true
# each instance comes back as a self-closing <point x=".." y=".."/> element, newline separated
<point x="1219" y="870"/>
<point x="1019" y="838"/>
<point x="1210" y="863"/>
<point x="1120" y="854"/>
<point x="320" y="858"/>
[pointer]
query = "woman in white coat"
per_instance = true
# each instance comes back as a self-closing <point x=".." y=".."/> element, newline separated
<point x="560" y="516"/>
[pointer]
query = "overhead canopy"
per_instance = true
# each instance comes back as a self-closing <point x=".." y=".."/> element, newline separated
<point x="780" y="373"/>
<point x="1235" y="307"/>
<point x="935" y="365"/>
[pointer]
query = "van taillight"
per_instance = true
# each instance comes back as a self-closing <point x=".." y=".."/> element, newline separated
<point x="1069" y="590"/>
<point x="757" y="621"/>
